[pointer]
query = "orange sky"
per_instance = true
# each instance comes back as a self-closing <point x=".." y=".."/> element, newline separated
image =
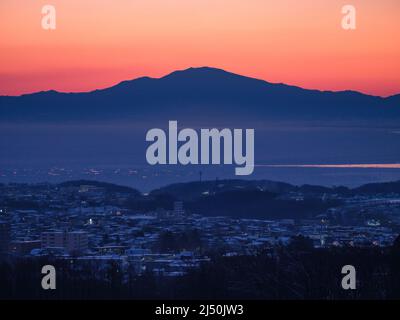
<point x="99" y="43"/>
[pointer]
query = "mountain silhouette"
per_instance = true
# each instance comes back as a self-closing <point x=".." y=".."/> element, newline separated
<point x="197" y="94"/>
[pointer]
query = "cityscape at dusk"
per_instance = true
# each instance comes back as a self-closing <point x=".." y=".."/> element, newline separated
<point x="195" y="157"/>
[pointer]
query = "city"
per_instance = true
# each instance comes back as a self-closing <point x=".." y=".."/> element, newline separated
<point x="98" y="223"/>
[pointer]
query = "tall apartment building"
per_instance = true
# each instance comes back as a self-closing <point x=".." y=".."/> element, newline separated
<point x="74" y="241"/>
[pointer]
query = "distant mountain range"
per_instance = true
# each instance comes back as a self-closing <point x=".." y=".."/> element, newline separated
<point x="198" y="94"/>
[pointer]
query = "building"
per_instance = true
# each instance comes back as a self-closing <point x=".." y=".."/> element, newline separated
<point x="5" y="236"/>
<point x="75" y="241"/>
<point x="56" y="239"/>
<point x="178" y="209"/>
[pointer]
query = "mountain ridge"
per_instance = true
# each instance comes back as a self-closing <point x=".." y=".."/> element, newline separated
<point x="198" y="92"/>
<point x="192" y="189"/>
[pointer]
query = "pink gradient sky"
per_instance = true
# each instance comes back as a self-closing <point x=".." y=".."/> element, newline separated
<point x="99" y="43"/>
